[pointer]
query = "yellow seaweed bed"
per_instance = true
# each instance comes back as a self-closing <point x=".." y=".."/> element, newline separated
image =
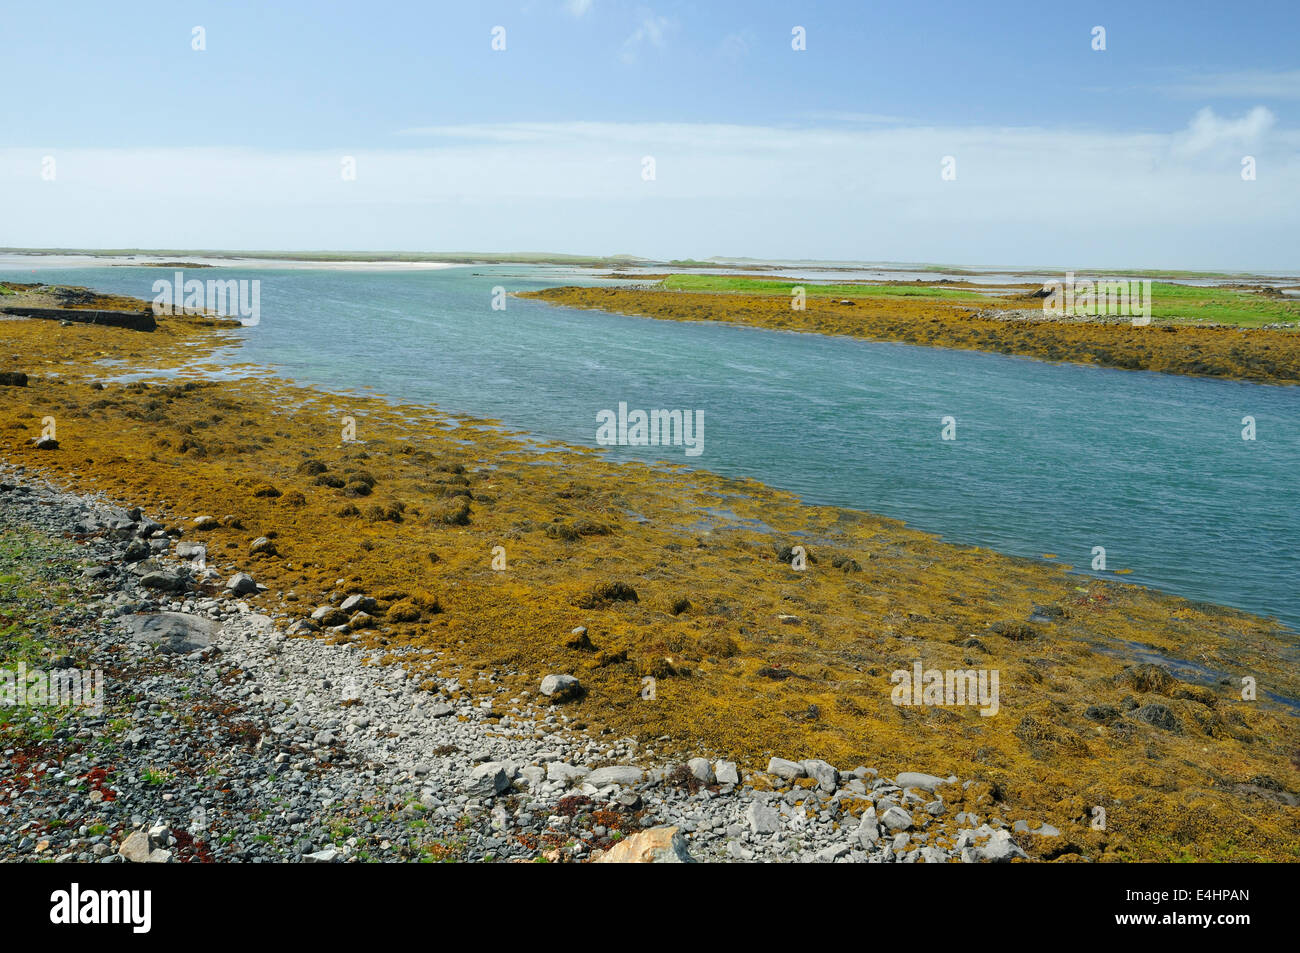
<point x="750" y="658"/>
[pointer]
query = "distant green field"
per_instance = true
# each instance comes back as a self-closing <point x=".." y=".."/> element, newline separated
<point x="1170" y="302"/>
<point x="1220" y="305"/>
<point x="739" y="285"/>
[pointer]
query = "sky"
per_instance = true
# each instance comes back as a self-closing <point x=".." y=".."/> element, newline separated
<point x="992" y="134"/>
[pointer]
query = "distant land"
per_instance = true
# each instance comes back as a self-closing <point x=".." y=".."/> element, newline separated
<point x="620" y="261"/>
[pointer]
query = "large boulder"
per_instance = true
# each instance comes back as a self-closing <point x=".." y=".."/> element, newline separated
<point x="915" y="779"/>
<point x="163" y="581"/>
<point x="658" y="845"/>
<point x="172" y="632"/>
<point x="827" y="778"/>
<point x="785" y="769"/>
<point x="999" y="848"/>
<point x="762" y="819"/>
<point x="702" y="770"/>
<point x="242" y="584"/>
<point x="358" y="603"/>
<point x="616" y="774"/>
<point x="488" y="779"/>
<point x="561" y="687"/>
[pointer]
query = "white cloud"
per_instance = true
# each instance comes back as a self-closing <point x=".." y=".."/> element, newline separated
<point x="865" y="118"/>
<point x="578" y="7"/>
<point x="1245" y="84"/>
<point x="1058" y="197"/>
<point x="650" y="31"/>
<point x="1209" y="131"/>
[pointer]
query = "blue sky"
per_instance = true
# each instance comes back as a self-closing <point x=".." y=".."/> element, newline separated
<point x="1064" y="155"/>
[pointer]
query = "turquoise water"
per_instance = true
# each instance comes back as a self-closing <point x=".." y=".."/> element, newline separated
<point x="1048" y="458"/>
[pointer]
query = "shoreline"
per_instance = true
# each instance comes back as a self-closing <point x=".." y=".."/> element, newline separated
<point x="1016" y="327"/>
<point x="256" y="746"/>
<point x="732" y="649"/>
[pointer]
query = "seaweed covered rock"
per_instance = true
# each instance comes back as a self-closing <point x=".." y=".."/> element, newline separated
<point x="607" y="594"/>
<point x="1158" y="716"/>
<point x="1148" y="678"/>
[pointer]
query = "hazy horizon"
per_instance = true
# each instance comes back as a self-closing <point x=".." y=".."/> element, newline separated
<point x="373" y="255"/>
<point x="1170" y="140"/>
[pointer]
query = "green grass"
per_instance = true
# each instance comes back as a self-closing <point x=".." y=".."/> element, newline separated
<point x="1196" y="305"/>
<point x="29" y="585"/>
<point x="768" y="286"/>
<point x="1188" y="304"/>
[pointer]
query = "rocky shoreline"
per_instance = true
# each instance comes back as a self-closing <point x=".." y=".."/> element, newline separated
<point x="231" y="735"/>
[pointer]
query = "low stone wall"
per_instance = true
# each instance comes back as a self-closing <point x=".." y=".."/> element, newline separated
<point x="132" y="320"/>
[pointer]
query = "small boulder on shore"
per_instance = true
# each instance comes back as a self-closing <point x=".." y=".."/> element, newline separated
<point x="242" y="584"/>
<point x="359" y="603"/>
<point x="164" y="581"/>
<point x="785" y="769"/>
<point x="561" y="687"/>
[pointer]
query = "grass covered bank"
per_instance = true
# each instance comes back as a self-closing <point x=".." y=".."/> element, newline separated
<point x="1011" y="323"/>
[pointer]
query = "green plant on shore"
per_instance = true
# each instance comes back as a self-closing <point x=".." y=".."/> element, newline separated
<point x="445" y="850"/>
<point x="154" y="777"/>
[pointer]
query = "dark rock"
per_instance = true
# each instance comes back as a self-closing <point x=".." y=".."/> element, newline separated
<point x="242" y="584"/>
<point x="1148" y="678"/>
<point x="1102" y="713"/>
<point x="580" y="641"/>
<point x="1015" y="631"/>
<point x="606" y="594"/>
<point x="1043" y="614"/>
<point x="164" y="581"/>
<point x="1158" y="716"/>
<point x="137" y="551"/>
